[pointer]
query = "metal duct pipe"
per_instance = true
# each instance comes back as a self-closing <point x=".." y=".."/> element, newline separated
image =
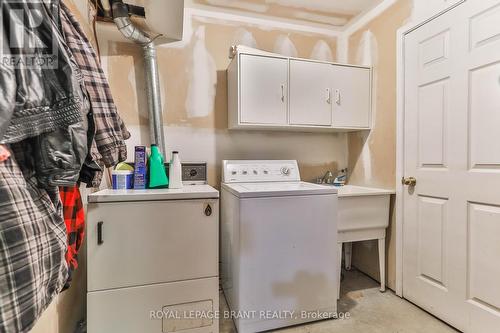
<point x="133" y="33"/>
<point x="154" y="96"/>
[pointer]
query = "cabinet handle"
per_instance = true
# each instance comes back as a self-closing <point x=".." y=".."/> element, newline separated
<point x="328" y="96"/>
<point x="99" y="233"/>
<point x="337" y="96"/>
<point x="283" y="93"/>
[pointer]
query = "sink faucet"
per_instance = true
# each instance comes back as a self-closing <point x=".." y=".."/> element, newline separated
<point x="341" y="178"/>
<point x="327" y="178"/>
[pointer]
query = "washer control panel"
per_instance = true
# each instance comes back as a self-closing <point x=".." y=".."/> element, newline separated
<point x="248" y="171"/>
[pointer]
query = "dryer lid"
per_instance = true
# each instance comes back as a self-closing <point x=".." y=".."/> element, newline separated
<point x="186" y="193"/>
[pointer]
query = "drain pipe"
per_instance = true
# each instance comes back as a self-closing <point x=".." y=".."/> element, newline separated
<point x="133" y="33"/>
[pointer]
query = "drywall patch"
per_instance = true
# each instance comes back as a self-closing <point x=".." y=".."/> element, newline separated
<point x="244" y="37"/>
<point x="322" y="51"/>
<point x="125" y="72"/>
<point x="285" y="46"/>
<point x="367" y="55"/>
<point x="202" y="79"/>
<point x="132" y="83"/>
<point x="367" y="50"/>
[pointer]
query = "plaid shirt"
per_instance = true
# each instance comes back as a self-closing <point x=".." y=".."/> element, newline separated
<point x="32" y="244"/>
<point x="110" y="131"/>
<point x="74" y="218"/>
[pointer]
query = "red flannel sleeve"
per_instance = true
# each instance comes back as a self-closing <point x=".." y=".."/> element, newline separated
<point x="74" y="218"/>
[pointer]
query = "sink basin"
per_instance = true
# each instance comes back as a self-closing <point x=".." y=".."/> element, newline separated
<point x="361" y="208"/>
<point x="353" y="190"/>
<point x="363" y="214"/>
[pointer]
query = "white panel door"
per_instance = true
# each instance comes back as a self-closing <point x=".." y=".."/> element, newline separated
<point x="263" y="90"/>
<point x="310" y="93"/>
<point x="351" y="96"/>
<point x="452" y="147"/>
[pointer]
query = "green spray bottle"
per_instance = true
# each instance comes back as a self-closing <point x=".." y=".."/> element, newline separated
<point x="157" y="174"/>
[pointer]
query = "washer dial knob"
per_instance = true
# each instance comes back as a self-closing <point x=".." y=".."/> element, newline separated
<point x="285" y="171"/>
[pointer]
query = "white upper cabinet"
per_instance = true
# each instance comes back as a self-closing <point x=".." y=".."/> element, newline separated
<point x="351" y="96"/>
<point x="263" y="90"/>
<point x="267" y="91"/>
<point x="310" y="101"/>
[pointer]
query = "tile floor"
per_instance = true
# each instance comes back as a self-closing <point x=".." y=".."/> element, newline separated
<point x="371" y="311"/>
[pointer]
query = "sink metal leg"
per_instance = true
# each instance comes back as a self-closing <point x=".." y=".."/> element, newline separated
<point x="339" y="255"/>
<point x="381" y="260"/>
<point x="348" y="255"/>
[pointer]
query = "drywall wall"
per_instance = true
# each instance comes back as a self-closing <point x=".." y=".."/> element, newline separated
<point x="372" y="155"/>
<point x="194" y="87"/>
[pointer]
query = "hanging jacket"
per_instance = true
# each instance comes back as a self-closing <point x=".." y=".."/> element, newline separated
<point x="51" y="107"/>
<point x="7" y="87"/>
<point x="108" y="147"/>
<point x="47" y="95"/>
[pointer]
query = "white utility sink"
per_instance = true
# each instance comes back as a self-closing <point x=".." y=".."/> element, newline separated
<point x="363" y="214"/>
<point x="361" y="208"/>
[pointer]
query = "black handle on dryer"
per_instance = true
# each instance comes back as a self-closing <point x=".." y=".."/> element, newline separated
<point x="99" y="233"/>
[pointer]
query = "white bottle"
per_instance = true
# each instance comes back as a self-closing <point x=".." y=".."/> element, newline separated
<point x="175" y="171"/>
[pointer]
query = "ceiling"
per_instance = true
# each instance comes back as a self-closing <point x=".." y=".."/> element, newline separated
<point x="352" y="7"/>
<point x="335" y="13"/>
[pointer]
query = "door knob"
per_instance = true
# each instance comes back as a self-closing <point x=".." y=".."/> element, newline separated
<point x="410" y="181"/>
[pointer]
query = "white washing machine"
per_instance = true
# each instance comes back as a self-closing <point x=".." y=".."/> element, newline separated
<point x="278" y="245"/>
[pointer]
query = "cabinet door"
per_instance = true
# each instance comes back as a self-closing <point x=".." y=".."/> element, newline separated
<point x="139" y="243"/>
<point x="351" y="96"/>
<point x="263" y="90"/>
<point x="310" y="93"/>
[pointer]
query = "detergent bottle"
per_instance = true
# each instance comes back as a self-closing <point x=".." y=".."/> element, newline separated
<point x="157" y="174"/>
